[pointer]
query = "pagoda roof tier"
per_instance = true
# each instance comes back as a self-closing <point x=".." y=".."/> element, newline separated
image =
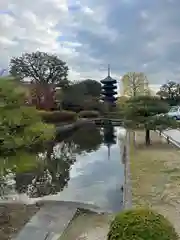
<point x="109" y="87"/>
<point x="106" y="98"/>
<point x="109" y="93"/>
<point x="108" y="80"/>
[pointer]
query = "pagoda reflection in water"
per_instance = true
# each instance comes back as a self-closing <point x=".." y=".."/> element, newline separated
<point x="109" y="137"/>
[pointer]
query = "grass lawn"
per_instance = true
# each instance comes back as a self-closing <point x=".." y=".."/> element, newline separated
<point x="155" y="176"/>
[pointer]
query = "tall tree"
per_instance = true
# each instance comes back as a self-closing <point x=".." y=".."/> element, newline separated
<point x="145" y="112"/>
<point x="82" y="95"/>
<point x="45" y="71"/>
<point x="135" y="84"/>
<point x="169" y="90"/>
<point x="40" y="67"/>
<point x="93" y="87"/>
<point x="20" y="126"/>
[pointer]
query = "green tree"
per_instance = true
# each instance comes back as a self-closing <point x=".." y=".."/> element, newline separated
<point x="145" y="112"/>
<point x="82" y="95"/>
<point x="135" y="84"/>
<point x="21" y="127"/>
<point x="169" y="90"/>
<point x="41" y="68"/>
<point x="121" y="104"/>
<point x="92" y="87"/>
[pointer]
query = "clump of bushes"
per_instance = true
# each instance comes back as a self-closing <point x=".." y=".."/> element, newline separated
<point x="58" y="116"/>
<point x="141" y="224"/>
<point x="88" y="114"/>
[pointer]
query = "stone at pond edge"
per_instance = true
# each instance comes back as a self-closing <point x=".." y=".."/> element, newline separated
<point x="4" y="215"/>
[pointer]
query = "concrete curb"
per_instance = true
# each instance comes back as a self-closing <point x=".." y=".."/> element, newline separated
<point x="169" y="139"/>
<point x="127" y="197"/>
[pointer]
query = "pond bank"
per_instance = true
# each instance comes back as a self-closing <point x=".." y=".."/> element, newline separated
<point x="88" y="226"/>
<point x="127" y="196"/>
<point x="13" y="217"/>
<point x="155" y="176"/>
<point x="72" y="126"/>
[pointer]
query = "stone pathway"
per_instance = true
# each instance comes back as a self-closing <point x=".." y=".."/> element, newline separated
<point x="51" y="221"/>
<point x="48" y="223"/>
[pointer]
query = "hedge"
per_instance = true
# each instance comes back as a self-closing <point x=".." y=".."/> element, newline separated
<point x="141" y="224"/>
<point x="58" y="116"/>
<point x="88" y="114"/>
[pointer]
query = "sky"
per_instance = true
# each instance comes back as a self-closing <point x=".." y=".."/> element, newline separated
<point x="130" y="35"/>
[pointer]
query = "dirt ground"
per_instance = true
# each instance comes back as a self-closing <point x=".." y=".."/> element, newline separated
<point x="13" y="217"/>
<point x="155" y="176"/>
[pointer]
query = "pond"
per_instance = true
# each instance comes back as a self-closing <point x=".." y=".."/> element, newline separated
<point x="82" y="166"/>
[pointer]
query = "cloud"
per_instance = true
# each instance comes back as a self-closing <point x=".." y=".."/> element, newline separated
<point x="131" y="35"/>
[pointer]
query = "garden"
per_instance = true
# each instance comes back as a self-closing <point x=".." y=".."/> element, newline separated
<point x="30" y="112"/>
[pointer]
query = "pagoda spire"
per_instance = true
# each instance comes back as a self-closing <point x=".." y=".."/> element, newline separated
<point x="109" y="70"/>
<point x="109" y="152"/>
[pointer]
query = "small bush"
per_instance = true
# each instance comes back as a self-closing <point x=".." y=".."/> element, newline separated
<point x="58" y="116"/>
<point x="88" y="114"/>
<point x="141" y="224"/>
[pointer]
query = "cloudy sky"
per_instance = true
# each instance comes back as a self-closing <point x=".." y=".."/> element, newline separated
<point x="131" y="35"/>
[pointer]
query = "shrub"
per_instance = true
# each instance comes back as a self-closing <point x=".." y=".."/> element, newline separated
<point x="58" y="116"/>
<point x="88" y="114"/>
<point x="141" y="224"/>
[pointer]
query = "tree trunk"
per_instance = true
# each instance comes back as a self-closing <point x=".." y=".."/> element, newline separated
<point x="147" y="137"/>
<point x="134" y="138"/>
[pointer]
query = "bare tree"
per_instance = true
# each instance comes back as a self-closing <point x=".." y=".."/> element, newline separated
<point x="135" y="84"/>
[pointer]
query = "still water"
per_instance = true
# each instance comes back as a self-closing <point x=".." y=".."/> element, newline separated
<point x="85" y="166"/>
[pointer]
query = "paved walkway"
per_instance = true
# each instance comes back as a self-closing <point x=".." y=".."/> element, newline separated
<point x="174" y="134"/>
<point x="48" y="223"/>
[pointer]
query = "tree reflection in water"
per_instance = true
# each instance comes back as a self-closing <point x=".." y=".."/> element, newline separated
<point x="50" y="174"/>
<point x="7" y="183"/>
<point x="87" y="139"/>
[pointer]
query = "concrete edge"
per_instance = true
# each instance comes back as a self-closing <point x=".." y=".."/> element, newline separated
<point x="124" y="137"/>
<point x="78" y="205"/>
<point x="127" y="197"/>
<point x="169" y="139"/>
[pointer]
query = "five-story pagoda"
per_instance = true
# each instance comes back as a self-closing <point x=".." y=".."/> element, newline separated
<point x="109" y="87"/>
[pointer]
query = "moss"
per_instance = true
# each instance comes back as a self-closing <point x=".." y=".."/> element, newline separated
<point x="141" y="224"/>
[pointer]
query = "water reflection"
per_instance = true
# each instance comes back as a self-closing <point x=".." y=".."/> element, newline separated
<point x="109" y="137"/>
<point x="87" y="139"/>
<point x="71" y="167"/>
<point x="51" y="174"/>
